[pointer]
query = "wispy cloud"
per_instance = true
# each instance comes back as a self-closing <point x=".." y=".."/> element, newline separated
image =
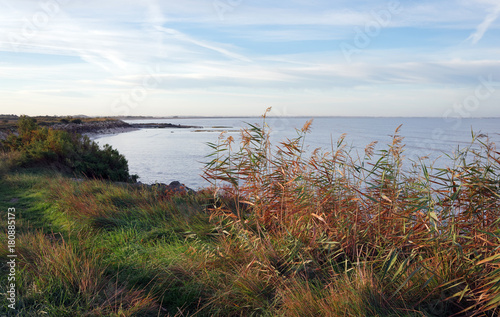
<point x="485" y="25"/>
<point x="94" y="51"/>
<point x="205" y="44"/>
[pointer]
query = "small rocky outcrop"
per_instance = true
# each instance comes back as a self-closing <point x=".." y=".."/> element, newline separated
<point x="174" y="187"/>
<point x="104" y="127"/>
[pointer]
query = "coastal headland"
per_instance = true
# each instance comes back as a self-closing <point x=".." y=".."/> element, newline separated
<point x="85" y="125"/>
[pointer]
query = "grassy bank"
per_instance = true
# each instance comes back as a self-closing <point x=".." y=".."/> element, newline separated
<point x="281" y="233"/>
<point x="97" y="248"/>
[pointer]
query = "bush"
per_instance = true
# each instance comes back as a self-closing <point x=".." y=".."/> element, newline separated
<point x="76" y="121"/>
<point x="63" y="120"/>
<point x="68" y="152"/>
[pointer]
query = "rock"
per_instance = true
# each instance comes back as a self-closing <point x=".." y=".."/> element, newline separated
<point x="175" y="184"/>
<point x="177" y="187"/>
<point x="174" y="187"/>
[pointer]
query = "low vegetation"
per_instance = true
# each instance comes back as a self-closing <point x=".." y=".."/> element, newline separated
<point x="283" y="232"/>
<point x="9" y="122"/>
<point x="69" y="152"/>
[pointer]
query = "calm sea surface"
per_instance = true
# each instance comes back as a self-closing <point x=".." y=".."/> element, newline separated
<point x="165" y="155"/>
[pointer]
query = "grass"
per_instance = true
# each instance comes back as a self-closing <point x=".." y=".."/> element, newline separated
<point x="282" y="232"/>
<point x="427" y="235"/>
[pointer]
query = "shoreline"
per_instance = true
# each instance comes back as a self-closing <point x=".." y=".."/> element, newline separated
<point x="95" y="129"/>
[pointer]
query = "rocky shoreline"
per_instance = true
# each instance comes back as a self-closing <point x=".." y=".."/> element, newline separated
<point x="113" y="126"/>
<point x="163" y="126"/>
<point x="98" y="127"/>
<point x="175" y="187"/>
<point x="95" y="128"/>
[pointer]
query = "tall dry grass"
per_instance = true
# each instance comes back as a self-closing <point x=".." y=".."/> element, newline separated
<point x="428" y="237"/>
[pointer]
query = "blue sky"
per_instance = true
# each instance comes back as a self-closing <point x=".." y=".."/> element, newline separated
<point x="238" y="57"/>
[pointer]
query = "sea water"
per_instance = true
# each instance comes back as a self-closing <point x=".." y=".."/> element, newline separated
<point x="165" y="155"/>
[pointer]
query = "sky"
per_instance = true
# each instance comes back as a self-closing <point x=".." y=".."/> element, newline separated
<point x="238" y="57"/>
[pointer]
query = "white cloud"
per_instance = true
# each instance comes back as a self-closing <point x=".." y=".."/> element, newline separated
<point x="485" y="25"/>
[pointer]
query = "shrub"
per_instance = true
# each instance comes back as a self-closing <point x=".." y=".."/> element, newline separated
<point x="76" y="121"/>
<point x="68" y="152"/>
<point x="63" y="120"/>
